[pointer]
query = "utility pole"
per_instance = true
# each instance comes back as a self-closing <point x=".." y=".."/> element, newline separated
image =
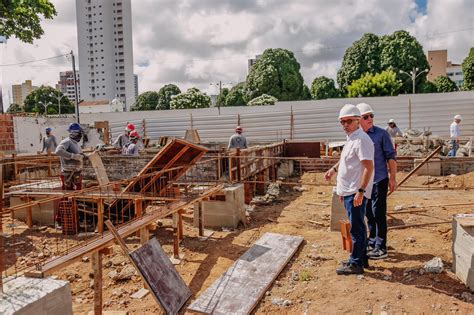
<point x="219" y="84"/>
<point x="413" y="75"/>
<point x="76" y="97"/>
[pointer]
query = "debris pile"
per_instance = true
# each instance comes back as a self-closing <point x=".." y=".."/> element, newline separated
<point x="273" y="191"/>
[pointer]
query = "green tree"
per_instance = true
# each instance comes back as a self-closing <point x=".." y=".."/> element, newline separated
<point x="427" y="87"/>
<point x="263" y="99"/>
<point x="362" y="57"/>
<point x="380" y="84"/>
<point x="401" y="51"/>
<point x="15" y="108"/>
<point x="192" y="98"/>
<point x="46" y="96"/>
<point x="166" y="94"/>
<point x="306" y="93"/>
<point x="146" y="101"/>
<point x="276" y="73"/>
<point x="236" y="96"/>
<point x="444" y="84"/>
<point x="222" y="97"/>
<point x="323" y="87"/>
<point x="21" y="18"/>
<point x="468" y="71"/>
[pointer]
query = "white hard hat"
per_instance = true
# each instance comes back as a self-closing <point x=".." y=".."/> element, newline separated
<point x="458" y="117"/>
<point x="364" y="108"/>
<point x="349" y="110"/>
<point x="391" y="121"/>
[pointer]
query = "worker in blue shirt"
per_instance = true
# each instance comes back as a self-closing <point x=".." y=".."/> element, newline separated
<point x="385" y="162"/>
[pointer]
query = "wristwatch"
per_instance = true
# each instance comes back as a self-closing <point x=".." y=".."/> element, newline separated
<point x="361" y="190"/>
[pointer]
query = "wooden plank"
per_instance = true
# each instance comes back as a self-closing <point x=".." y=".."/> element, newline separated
<point x="99" y="168"/>
<point x="161" y="276"/>
<point x="96" y="261"/>
<point x="240" y="288"/>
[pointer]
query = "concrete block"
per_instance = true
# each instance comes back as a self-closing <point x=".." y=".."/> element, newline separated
<point x="338" y="212"/>
<point x="462" y="249"/>
<point x="228" y="213"/>
<point x="286" y="168"/>
<point x="431" y="168"/>
<point x="32" y="296"/>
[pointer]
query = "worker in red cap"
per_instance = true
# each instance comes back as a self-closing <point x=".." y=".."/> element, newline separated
<point x="237" y="140"/>
<point x="132" y="147"/>
<point x="123" y="139"/>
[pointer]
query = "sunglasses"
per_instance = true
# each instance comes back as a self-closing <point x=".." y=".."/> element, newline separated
<point x="347" y="121"/>
<point x="365" y="117"/>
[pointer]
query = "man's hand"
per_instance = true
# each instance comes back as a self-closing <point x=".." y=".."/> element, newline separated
<point x="359" y="197"/>
<point x="77" y="157"/>
<point x="392" y="183"/>
<point x="341" y="199"/>
<point x="329" y="174"/>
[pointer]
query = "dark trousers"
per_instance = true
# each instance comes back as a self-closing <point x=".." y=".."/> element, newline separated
<point x="358" y="230"/>
<point x="71" y="180"/>
<point x="376" y="213"/>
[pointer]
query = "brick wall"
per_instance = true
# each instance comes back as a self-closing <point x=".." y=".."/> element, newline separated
<point x="7" y="139"/>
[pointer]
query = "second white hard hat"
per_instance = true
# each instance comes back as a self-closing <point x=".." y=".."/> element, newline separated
<point x="364" y="108"/>
<point x="349" y="110"/>
<point x="391" y="121"/>
<point x="458" y="117"/>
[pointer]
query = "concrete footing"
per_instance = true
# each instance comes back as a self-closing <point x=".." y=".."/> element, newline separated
<point x="32" y="296"/>
<point x="223" y="213"/>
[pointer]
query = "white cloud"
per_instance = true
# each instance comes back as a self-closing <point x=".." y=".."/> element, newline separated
<point x="196" y="42"/>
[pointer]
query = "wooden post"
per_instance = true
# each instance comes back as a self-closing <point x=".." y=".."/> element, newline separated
<point x="176" y="236"/>
<point x="15" y="167"/>
<point x="200" y="222"/>
<point x="144" y="128"/>
<point x="138" y="207"/>
<point x="180" y="225"/>
<point x="230" y="167"/>
<point x="238" y="119"/>
<point x="97" y="268"/>
<point x="50" y="173"/>
<point x="29" y="214"/>
<point x="239" y="175"/>
<point x="100" y="215"/>
<point x="218" y="168"/>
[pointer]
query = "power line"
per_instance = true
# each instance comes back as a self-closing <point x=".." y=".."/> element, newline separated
<point x="32" y="61"/>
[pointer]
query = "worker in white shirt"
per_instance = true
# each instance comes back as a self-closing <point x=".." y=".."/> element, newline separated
<point x="355" y="176"/>
<point x="455" y="133"/>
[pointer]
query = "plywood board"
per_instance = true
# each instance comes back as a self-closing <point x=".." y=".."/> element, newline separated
<point x="161" y="276"/>
<point x="99" y="169"/>
<point x="240" y="288"/>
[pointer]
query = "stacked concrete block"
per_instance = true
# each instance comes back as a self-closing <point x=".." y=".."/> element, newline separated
<point x="430" y="168"/>
<point x="31" y="296"/>
<point x="463" y="248"/>
<point x="223" y="213"/>
<point x="338" y="212"/>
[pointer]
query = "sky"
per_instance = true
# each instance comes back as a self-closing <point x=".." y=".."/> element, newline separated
<point x="193" y="43"/>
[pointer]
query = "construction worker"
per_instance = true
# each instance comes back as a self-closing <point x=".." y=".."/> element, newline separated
<point x="49" y="142"/>
<point x="132" y="147"/>
<point x="237" y="140"/>
<point x="71" y="158"/>
<point x="455" y="133"/>
<point x="393" y="129"/>
<point x="385" y="160"/>
<point x="123" y="139"/>
<point x="354" y="185"/>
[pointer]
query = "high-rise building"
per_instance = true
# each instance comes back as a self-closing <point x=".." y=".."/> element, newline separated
<point x="20" y="91"/>
<point x="135" y="83"/>
<point x="251" y="62"/>
<point x="66" y="85"/>
<point x="439" y="66"/>
<point x="104" y="32"/>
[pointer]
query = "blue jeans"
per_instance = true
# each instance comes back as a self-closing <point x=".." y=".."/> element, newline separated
<point x="376" y="212"/>
<point x="358" y="230"/>
<point x="454" y="148"/>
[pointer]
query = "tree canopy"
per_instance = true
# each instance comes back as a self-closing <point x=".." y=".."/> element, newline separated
<point x="362" y="57"/>
<point x="468" y="71"/>
<point x="15" y="108"/>
<point x="165" y="95"/>
<point x="192" y="98"/>
<point x="22" y="19"/>
<point x="380" y="84"/>
<point x="222" y="97"/>
<point x="263" y="99"/>
<point x="323" y="87"/>
<point x="236" y="95"/>
<point x="47" y="97"/>
<point x="276" y="73"/>
<point x="444" y="84"/>
<point x="146" y="101"/>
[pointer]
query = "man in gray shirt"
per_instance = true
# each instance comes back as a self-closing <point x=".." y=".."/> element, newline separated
<point x="237" y="140"/>
<point x="49" y="142"/>
<point x="71" y="158"/>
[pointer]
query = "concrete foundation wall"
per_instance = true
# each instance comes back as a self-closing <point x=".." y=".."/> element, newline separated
<point x="228" y="213"/>
<point x="31" y="296"/>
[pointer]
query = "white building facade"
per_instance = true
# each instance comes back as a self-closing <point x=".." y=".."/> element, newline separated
<point x="104" y="32"/>
<point x="454" y="72"/>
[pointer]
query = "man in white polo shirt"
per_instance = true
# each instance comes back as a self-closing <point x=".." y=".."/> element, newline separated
<point x="355" y="175"/>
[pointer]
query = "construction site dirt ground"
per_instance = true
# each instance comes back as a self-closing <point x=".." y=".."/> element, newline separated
<point x="309" y="282"/>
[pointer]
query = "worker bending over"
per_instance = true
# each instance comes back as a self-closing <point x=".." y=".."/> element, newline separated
<point x="132" y="147"/>
<point x="123" y="139"/>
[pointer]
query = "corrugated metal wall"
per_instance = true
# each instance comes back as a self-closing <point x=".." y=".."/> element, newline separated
<point x="316" y="120"/>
